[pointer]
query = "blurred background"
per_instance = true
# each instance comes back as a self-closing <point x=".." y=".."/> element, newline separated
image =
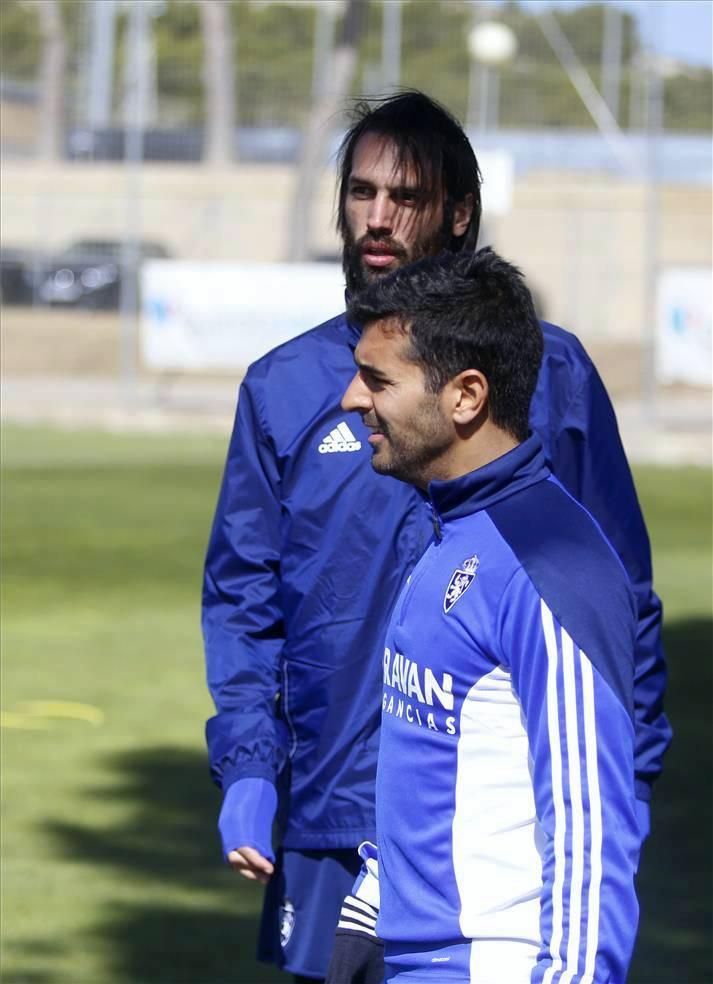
<point x="167" y="216"/>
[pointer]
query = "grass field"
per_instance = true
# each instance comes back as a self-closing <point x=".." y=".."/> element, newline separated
<point x="110" y="862"/>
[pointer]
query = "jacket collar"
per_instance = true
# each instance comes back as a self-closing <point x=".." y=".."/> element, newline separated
<point x="516" y="470"/>
<point x="353" y="329"/>
<point x="353" y="332"/>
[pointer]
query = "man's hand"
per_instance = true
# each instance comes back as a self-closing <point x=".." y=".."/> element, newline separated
<point x="246" y="818"/>
<point x="251" y="864"/>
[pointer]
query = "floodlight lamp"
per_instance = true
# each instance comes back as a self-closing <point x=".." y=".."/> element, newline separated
<point x="492" y="43"/>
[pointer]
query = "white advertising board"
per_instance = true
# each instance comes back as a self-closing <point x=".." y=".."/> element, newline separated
<point x="684" y="353"/>
<point x="204" y="316"/>
<point x="498" y="170"/>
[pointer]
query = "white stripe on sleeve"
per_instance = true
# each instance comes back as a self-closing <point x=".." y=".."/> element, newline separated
<point x="557" y="795"/>
<point x="595" y="811"/>
<point x="575" y="796"/>
<point x="573" y="821"/>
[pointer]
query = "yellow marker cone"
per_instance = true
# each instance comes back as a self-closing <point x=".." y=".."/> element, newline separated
<point x="8" y="719"/>
<point x="67" y="709"/>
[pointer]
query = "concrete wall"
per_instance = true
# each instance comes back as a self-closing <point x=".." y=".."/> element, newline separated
<point x="584" y="241"/>
<point x="18" y="125"/>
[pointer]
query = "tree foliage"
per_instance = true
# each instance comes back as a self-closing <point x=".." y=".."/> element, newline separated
<point x="274" y="48"/>
<point x="19" y="41"/>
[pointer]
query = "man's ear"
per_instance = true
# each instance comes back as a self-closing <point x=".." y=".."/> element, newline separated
<point x="470" y="396"/>
<point x="462" y="214"/>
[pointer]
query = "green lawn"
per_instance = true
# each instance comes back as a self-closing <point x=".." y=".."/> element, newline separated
<point x="110" y="861"/>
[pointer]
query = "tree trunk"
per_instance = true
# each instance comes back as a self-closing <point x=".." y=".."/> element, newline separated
<point x="343" y="63"/>
<point x="218" y="81"/>
<point x="53" y="61"/>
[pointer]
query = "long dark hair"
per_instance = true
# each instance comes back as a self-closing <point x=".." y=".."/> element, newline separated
<point x="429" y="139"/>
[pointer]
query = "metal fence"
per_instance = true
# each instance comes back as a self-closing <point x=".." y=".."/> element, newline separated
<point x="159" y="127"/>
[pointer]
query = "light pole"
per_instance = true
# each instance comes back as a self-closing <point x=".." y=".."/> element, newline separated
<point x="139" y="78"/>
<point x="101" y="64"/>
<point x="390" y="43"/>
<point x="491" y="44"/>
<point x="325" y="24"/>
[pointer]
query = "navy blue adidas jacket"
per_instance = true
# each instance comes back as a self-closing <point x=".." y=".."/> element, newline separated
<point x="307" y="554"/>
<point x="505" y="783"/>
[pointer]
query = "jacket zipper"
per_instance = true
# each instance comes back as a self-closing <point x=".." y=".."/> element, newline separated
<point x="420" y="568"/>
<point x="435" y="522"/>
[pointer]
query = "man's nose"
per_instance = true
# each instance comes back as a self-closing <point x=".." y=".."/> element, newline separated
<point x="356" y="396"/>
<point x="382" y="214"/>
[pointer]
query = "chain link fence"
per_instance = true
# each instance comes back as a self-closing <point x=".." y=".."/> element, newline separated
<point x="170" y="128"/>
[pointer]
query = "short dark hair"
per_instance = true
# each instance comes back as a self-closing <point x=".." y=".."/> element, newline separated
<point x="465" y="311"/>
<point x="428" y="138"/>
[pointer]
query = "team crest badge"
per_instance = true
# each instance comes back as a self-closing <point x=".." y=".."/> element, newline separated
<point x="460" y="581"/>
<point x="287" y="922"/>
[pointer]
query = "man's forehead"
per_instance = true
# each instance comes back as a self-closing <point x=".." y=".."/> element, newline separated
<point x="379" y="152"/>
<point x="384" y="339"/>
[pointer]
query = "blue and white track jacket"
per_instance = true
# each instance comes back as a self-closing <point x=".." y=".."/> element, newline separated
<point x="310" y="548"/>
<point x="505" y="783"/>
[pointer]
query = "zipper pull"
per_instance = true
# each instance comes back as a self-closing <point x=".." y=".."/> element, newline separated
<point x="435" y="521"/>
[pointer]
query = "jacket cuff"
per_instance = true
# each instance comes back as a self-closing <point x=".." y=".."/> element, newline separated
<point x="643" y="818"/>
<point x="247" y="815"/>
<point x="642" y="790"/>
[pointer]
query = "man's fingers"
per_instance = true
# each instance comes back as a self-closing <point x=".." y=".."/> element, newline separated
<point x="255" y="860"/>
<point x="249" y="875"/>
<point x="251" y="864"/>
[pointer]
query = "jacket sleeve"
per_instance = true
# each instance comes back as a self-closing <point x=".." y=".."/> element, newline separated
<point x="243" y="626"/>
<point x="581" y="741"/>
<point x="588" y="458"/>
<point x="246" y="817"/>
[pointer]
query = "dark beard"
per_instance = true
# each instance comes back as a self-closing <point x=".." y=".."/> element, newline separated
<point x="410" y="457"/>
<point x="358" y="275"/>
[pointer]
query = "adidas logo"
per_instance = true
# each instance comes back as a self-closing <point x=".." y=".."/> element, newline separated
<point x="340" y="439"/>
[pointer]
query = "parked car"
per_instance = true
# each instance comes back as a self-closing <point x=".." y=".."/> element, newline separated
<point x="87" y="274"/>
<point x="261" y="144"/>
<point x="15" y="287"/>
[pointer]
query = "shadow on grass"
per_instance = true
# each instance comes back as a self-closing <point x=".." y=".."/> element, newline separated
<point x="168" y="849"/>
<point x="157" y="944"/>
<point x="674" y="885"/>
<point x="181" y="917"/>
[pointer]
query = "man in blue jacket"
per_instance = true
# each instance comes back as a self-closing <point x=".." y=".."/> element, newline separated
<point x="505" y="805"/>
<point x="309" y="548"/>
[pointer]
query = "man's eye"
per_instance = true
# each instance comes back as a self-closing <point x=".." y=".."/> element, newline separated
<point x="359" y="191"/>
<point x="374" y="383"/>
<point x="407" y="197"/>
